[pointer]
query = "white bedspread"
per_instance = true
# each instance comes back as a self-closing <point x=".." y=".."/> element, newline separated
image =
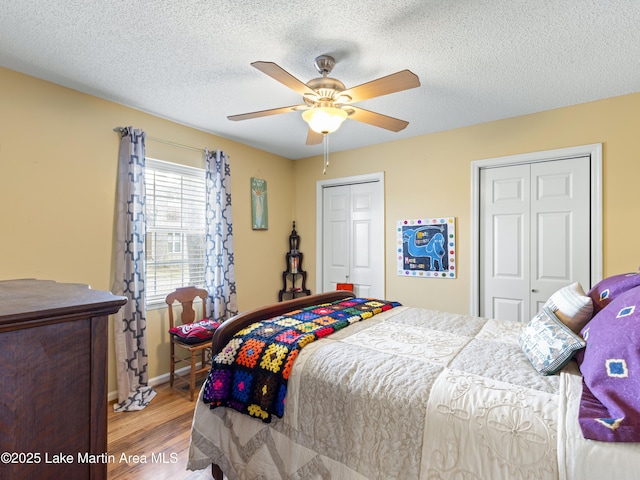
<point x="408" y="394"/>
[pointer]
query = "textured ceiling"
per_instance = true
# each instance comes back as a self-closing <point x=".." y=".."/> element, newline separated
<point x="188" y="60"/>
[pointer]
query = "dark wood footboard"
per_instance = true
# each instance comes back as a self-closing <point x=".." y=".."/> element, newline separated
<point x="243" y="320"/>
<point x="216" y="472"/>
<point x="230" y="327"/>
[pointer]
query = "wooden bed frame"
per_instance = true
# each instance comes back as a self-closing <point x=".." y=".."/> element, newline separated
<point x="242" y="320"/>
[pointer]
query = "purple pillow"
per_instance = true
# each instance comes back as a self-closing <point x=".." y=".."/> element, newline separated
<point x="609" y="288"/>
<point x="610" y="366"/>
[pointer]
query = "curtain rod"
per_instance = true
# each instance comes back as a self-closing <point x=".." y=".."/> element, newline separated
<point x="166" y="142"/>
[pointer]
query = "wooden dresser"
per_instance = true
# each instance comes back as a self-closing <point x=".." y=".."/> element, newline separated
<point x="53" y="382"/>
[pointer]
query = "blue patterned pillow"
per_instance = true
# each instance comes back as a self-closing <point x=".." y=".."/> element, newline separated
<point x="548" y="343"/>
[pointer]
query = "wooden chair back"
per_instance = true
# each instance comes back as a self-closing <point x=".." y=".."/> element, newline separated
<point x="186" y="296"/>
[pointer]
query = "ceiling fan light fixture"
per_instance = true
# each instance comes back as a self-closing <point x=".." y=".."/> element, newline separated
<point x="324" y="119"/>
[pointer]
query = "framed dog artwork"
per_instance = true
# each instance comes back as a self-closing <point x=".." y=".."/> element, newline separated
<point x="426" y="247"/>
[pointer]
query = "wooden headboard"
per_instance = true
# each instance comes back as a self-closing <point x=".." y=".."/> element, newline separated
<point x="242" y="320"/>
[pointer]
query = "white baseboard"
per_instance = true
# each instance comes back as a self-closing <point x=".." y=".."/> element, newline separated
<point x="159" y="380"/>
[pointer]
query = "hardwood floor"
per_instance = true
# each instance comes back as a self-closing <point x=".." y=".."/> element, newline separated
<point x="158" y="434"/>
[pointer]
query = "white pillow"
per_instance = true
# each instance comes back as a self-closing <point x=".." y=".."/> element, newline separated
<point x="571" y="306"/>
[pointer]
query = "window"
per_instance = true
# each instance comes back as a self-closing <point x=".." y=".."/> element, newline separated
<point x="174" y="242"/>
<point x="175" y="210"/>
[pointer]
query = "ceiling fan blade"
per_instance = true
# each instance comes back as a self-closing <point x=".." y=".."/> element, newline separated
<point x="396" y="82"/>
<point x="281" y="75"/>
<point x="265" y="113"/>
<point x="376" y="119"/>
<point x="314" y="138"/>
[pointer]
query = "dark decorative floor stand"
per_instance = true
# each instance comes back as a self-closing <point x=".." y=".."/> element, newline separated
<point x="294" y="274"/>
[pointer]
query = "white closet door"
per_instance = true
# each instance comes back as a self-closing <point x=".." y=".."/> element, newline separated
<point x="353" y="238"/>
<point x="505" y="242"/>
<point x="535" y="234"/>
<point x="560" y="217"/>
<point x="335" y="236"/>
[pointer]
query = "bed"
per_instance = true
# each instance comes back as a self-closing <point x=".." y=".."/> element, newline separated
<point x="411" y="393"/>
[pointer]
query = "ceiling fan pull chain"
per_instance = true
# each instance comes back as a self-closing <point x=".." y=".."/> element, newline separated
<point x="325" y="138"/>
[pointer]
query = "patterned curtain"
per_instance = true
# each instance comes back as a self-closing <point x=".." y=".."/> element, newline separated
<point x="220" y="279"/>
<point x="130" y="324"/>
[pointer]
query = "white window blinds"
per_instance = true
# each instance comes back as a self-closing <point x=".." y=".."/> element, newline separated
<point x="175" y="210"/>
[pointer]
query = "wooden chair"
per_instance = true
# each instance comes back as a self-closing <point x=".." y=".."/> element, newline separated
<point x="186" y="296"/>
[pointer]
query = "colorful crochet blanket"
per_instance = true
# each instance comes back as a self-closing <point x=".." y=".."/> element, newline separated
<point x="250" y="374"/>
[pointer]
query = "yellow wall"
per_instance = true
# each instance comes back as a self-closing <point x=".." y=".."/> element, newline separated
<point x="58" y="158"/>
<point x="430" y="176"/>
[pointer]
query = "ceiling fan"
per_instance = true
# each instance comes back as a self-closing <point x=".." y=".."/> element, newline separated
<point x="327" y="102"/>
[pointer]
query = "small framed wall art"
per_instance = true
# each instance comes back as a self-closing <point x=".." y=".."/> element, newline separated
<point x="259" y="208"/>
<point x="426" y="247"/>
